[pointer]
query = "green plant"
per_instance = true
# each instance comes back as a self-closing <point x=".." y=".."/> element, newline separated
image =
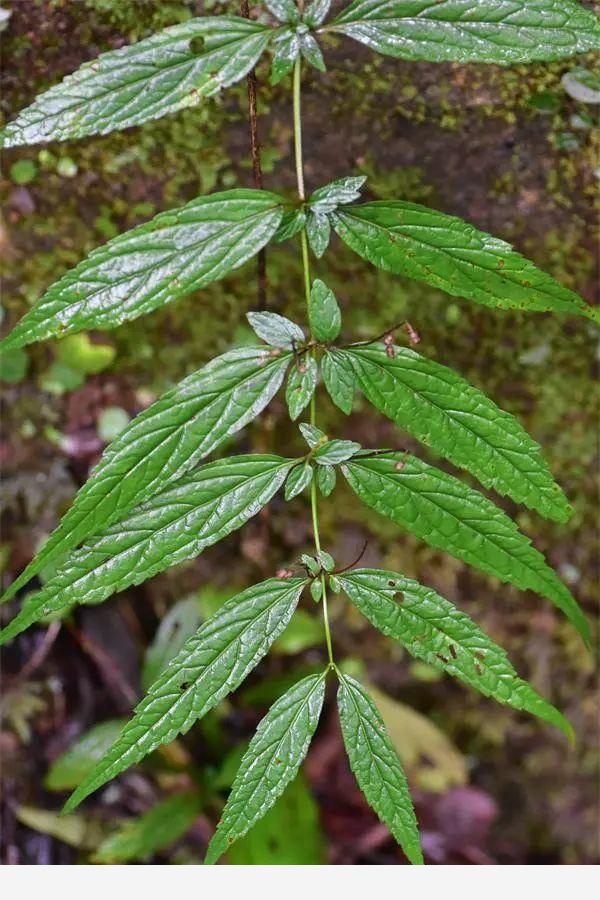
<point x="148" y="505"/>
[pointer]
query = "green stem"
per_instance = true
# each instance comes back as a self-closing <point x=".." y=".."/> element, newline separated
<point x="306" y="268"/>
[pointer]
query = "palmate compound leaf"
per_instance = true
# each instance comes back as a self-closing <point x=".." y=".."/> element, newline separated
<point x="211" y="664"/>
<point x="171" y="70"/>
<point x="447" y="514"/>
<point x="165" y="441"/>
<point x="376" y="766"/>
<point x="175" y="253"/>
<point x="457" y="421"/>
<point x="271" y="761"/>
<point x="450" y="254"/>
<point x="176" y="524"/>
<point x="491" y="31"/>
<point x="433" y="630"/>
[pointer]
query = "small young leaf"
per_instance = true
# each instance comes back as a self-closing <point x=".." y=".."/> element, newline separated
<point x="318" y="232"/>
<point x="276" y="330"/>
<point x="339" y="379"/>
<point x="177" y="252"/>
<point x="490" y="31"/>
<point x="174" y="525"/>
<point x="173" y="69"/>
<point x="165" y="441"/>
<point x="326" y="199"/>
<point x="316" y="590"/>
<point x="326" y="479"/>
<point x="211" y="664"/>
<point x="457" y="421"/>
<point x="161" y="826"/>
<point x="311" y="52"/>
<point x="284" y="10"/>
<point x="315" y="12"/>
<point x="311" y="564"/>
<point x="77" y="762"/>
<point x="327" y="561"/>
<point x="334" y="452"/>
<point x="433" y="630"/>
<point x="448" y="253"/>
<point x="376" y="766"/>
<point x="447" y="514"/>
<point x="298" y="479"/>
<point x="323" y="312"/>
<point x="271" y="761"/>
<point x="301" y="385"/>
<point x="312" y="435"/>
<point x="286" y="47"/>
<point x="292" y="222"/>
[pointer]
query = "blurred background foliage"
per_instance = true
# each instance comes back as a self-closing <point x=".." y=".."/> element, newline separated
<point x="516" y="152"/>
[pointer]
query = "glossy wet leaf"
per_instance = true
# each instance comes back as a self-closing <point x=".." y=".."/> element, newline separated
<point x="450" y="254"/>
<point x="334" y="452"/>
<point x="491" y="31"/>
<point x="176" y="524"/>
<point x="458" y="422"/>
<point x="136" y="839"/>
<point x="271" y="761"/>
<point x="318" y="232"/>
<point x="299" y="478"/>
<point x="171" y="70"/>
<point x="312" y="435"/>
<point x="286" y="47"/>
<point x="276" y="330"/>
<point x="433" y="630"/>
<point x="211" y="664"/>
<point x="77" y="762"/>
<point x="315" y="12"/>
<point x="447" y="514"/>
<point x="177" y="252"/>
<point x="339" y="379"/>
<point x="311" y="52"/>
<point x="326" y="199"/>
<point x="301" y="385"/>
<point x="292" y="222"/>
<point x="284" y="10"/>
<point x="326" y="479"/>
<point x="323" y="313"/>
<point x="376" y="766"/>
<point x="164" y="442"/>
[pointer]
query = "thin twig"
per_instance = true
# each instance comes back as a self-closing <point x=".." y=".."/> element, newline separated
<point x="352" y="564"/>
<point x="38" y="657"/>
<point x="405" y="325"/>
<point x="261" y="293"/>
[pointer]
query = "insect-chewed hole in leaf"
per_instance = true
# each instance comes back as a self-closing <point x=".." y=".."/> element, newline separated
<point x="185" y="685"/>
<point x="197" y="44"/>
<point x="453" y="652"/>
<point x="441" y="657"/>
<point x="399" y="597"/>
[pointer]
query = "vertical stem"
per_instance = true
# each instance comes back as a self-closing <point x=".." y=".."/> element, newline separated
<point x="256" y="168"/>
<point x="306" y="268"/>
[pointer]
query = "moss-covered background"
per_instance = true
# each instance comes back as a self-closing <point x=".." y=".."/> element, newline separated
<point x="507" y="149"/>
